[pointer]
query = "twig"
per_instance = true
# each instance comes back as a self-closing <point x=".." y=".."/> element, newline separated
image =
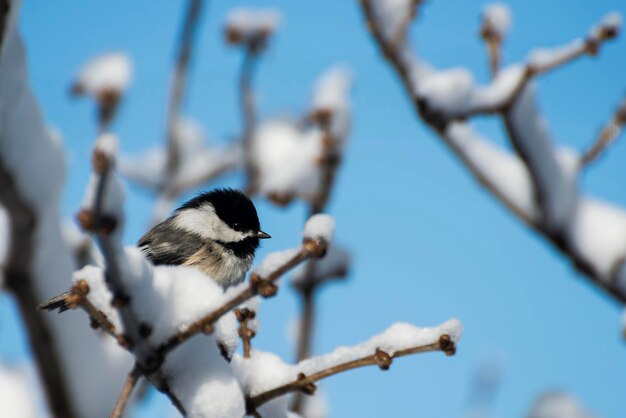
<point x="19" y="280"/>
<point x="258" y="285"/>
<point x="77" y="297"/>
<point x="127" y="390"/>
<point x="245" y="332"/>
<point x="246" y="101"/>
<point x="494" y="43"/>
<point x="609" y="132"/>
<point x="306" y="384"/>
<point x="177" y="92"/>
<point x="401" y="32"/>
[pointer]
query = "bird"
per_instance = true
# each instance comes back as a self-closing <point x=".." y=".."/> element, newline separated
<point x="217" y="232"/>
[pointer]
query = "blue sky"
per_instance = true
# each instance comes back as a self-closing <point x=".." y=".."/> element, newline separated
<point x="428" y="243"/>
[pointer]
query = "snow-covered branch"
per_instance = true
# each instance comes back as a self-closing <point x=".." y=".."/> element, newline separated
<point x="397" y="341"/>
<point x="538" y="181"/>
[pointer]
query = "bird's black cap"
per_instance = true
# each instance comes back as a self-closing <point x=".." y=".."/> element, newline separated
<point x="231" y="206"/>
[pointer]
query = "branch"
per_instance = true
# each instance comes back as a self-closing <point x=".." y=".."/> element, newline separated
<point x="469" y="148"/>
<point x="380" y="358"/>
<point x="179" y="84"/>
<point x="609" y="133"/>
<point x="19" y="280"/>
<point x="246" y="101"/>
<point x="264" y="286"/>
<point x="245" y="332"/>
<point x="127" y="390"/>
<point x="77" y="297"/>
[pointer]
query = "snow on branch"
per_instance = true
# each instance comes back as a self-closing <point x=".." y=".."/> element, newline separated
<point x="495" y="26"/>
<point x="609" y="133"/>
<point x="399" y="340"/>
<point x="538" y="181"/>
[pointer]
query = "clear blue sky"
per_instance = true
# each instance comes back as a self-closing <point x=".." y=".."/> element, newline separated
<point x="428" y="243"/>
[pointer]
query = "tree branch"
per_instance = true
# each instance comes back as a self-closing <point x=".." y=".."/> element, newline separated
<point x="131" y="381"/>
<point x="177" y="92"/>
<point x="19" y="281"/>
<point x="263" y="286"/>
<point x="399" y="59"/>
<point x="380" y="358"/>
<point x="609" y="133"/>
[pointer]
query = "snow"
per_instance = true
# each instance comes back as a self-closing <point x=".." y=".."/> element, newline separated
<point x="596" y="231"/>
<point x="451" y="93"/>
<point x="497" y="17"/>
<point x="390" y="14"/>
<point x="287" y="158"/>
<point x="556" y="404"/>
<point x="611" y="22"/>
<point x="203" y="381"/>
<point x="199" y="160"/>
<point x="109" y="72"/>
<point x="505" y="173"/>
<point x="332" y="94"/>
<point x="315" y="406"/>
<point x="320" y="227"/>
<point x="250" y="24"/>
<point x="265" y="371"/>
<point x="17" y="399"/>
<point x="274" y="260"/>
<point x="531" y="137"/>
<point x="544" y="58"/>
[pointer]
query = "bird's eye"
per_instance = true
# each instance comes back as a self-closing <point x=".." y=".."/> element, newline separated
<point x="238" y="227"/>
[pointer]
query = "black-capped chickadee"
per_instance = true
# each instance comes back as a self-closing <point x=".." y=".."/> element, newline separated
<point x="217" y="232"/>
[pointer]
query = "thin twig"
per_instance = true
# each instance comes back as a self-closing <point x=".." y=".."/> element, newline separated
<point x="380" y="358"/>
<point x="609" y="132"/>
<point x="178" y="89"/>
<point x="244" y="316"/>
<point x="127" y="390"/>
<point x="248" y="114"/>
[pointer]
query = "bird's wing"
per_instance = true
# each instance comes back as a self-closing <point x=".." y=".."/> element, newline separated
<point x="171" y="246"/>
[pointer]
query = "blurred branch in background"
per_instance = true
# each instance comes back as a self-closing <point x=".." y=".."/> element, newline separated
<point x="538" y="182"/>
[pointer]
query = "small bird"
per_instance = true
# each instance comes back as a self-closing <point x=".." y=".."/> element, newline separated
<point x="217" y="232"/>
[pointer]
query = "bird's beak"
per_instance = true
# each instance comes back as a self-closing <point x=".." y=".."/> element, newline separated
<point x="263" y="235"/>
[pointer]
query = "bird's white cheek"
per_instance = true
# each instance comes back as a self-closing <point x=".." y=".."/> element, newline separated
<point x="205" y="222"/>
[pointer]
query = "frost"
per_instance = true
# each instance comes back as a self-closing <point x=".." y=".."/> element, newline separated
<point x="320" y="226"/>
<point x="105" y="73"/>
